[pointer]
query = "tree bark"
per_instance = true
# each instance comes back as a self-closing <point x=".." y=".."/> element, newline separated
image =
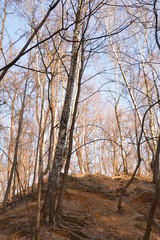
<point x="49" y="204"/>
<point x="60" y="200"/>
<point x="40" y="172"/>
<point x="10" y="150"/>
<point x="156" y="194"/>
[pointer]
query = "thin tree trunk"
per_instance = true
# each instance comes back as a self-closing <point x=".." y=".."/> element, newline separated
<point x="10" y="150"/>
<point x="3" y="24"/>
<point x="79" y="155"/>
<point x="52" y="130"/>
<point x="16" y="148"/>
<point x="40" y="173"/>
<point x="95" y="144"/>
<point x="156" y="195"/>
<point x="125" y="170"/>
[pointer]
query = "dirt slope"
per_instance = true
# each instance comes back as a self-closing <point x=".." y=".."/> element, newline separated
<point x="90" y="212"/>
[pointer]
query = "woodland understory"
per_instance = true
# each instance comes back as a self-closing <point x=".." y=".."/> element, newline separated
<point x="79" y="94"/>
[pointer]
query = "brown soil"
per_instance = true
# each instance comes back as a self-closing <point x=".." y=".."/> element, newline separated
<point x="90" y="211"/>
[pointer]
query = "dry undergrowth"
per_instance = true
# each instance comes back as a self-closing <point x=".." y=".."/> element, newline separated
<point x="90" y="212"/>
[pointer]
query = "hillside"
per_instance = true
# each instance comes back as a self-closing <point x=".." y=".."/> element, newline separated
<point x="90" y="211"/>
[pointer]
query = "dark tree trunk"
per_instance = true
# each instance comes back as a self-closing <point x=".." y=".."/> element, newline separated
<point x="60" y="200"/>
<point x="49" y="204"/>
<point x="156" y="194"/>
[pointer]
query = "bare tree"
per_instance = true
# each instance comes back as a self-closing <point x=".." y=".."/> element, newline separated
<point x="49" y="204"/>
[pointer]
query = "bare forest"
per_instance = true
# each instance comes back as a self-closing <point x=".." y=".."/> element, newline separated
<point x="79" y="94"/>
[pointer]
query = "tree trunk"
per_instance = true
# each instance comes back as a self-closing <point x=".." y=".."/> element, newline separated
<point x="10" y="150"/>
<point x="156" y="194"/>
<point x="16" y="148"/>
<point x="3" y="24"/>
<point x="40" y="173"/>
<point x="60" y="200"/>
<point x="49" y="204"/>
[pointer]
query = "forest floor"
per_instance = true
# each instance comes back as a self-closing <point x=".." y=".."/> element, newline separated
<point x="90" y="211"/>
